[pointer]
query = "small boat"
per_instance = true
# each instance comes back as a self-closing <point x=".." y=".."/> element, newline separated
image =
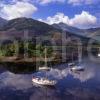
<point x="44" y="68"/>
<point x="70" y="65"/>
<point x="74" y="67"/>
<point x="77" y="68"/>
<point x="44" y="81"/>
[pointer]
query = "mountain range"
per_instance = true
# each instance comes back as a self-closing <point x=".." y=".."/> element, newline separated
<point x="83" y="32"/>
<point x="16" y="28"/>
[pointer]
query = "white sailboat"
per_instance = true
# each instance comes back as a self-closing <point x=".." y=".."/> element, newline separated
<point x="45" y="67"/>
<point x="77" y="68"/>
<point x="44" y="80"/>
<point x="73" y="66"/>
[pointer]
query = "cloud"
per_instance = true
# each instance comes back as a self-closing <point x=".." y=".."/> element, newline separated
<point x="17" y="9"/>
<point x="49" y="1"/>
<point x="19" y="82"/>
<point x="59" y="17"/>
<point x="81" y="2"/>
<point x="83" y="20"/>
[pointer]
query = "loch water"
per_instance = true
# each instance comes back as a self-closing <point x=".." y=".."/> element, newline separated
<point x="70" y="85"/>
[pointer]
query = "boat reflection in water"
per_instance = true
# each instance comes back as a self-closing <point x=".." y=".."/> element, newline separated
<point x="45" y="79"/>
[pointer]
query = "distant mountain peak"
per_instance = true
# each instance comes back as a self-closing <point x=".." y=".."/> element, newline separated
<point x="74" y="30"/>
<point x="66" y="27"/>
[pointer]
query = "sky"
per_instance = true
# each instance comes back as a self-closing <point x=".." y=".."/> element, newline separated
<point x="77" y="13"/>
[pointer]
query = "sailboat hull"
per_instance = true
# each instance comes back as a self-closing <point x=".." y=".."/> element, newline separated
<point x="77" y="69"/>
<point x="44" y="68"/>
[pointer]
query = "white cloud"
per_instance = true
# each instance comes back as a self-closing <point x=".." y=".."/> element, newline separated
<point x="59" y="17"/>
<point x="81" y="2"/>
<point x="83" y="20"/>
<point x="19" y="82"/>
<point x="49" y="1"/>
<point x="18" y="9"/>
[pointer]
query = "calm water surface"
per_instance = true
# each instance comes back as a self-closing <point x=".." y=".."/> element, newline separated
<point x="71" y="86"/>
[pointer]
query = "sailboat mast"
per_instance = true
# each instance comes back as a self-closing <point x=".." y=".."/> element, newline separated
<point x="45" y="57"/>
<point x="79" y="54"/>
<point x="72" y="56"/>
